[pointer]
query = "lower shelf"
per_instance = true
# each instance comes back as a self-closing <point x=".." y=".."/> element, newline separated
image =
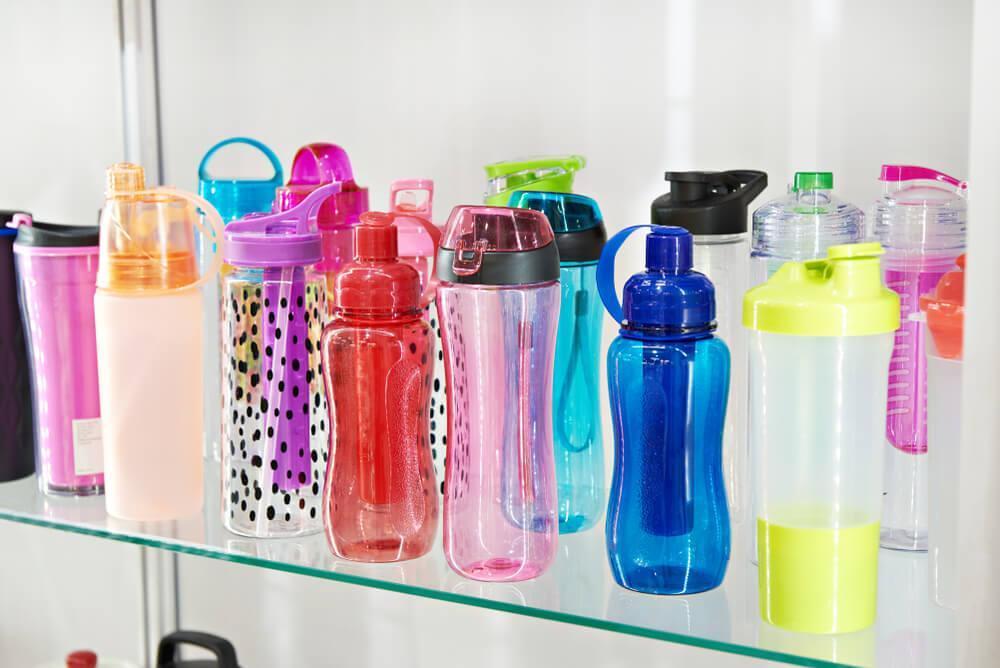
<point x="578" y="589"/>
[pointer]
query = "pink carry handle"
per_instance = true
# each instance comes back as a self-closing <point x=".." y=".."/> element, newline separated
<point x="897" y="173"/>
<point x="398" y="204"/>
<point x="321" y="163"/>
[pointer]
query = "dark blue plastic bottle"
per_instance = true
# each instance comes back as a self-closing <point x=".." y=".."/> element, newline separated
<point x="668" y="377"/>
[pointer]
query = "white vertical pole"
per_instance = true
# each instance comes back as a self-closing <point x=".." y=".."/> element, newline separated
<point x="140" y="86"/>
<point x="141" y="127"/>
<point x="978" y="642"/>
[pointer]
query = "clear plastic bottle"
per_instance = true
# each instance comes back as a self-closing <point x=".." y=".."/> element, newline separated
<point x="819" y="350"/>
<point x="148" y="309"/>
<point x="712" y="206"/>
<point x="275" y="425"/>
<point x="668" y="527"/>
<point x="920" y="220"/>
<point x="944" y="315"/>
<point x="380" y="504"/>
<point x="579" y="453"/>
<point x="802" y="225"/>
<point x="498" y="302"/>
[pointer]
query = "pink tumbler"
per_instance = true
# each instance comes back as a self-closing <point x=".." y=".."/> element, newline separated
<point x="57" y="277"/>
<point x="498" y="304"/>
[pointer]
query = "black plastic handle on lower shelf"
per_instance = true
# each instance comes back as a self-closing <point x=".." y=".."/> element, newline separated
<point x="168" y="650"/>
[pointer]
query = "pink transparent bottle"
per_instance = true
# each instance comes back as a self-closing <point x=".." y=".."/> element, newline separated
<point x="498" y="304"/>
<point x="920" y="221"/>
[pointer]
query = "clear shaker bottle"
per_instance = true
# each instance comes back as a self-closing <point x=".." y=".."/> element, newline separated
<point x="819" y="351"/>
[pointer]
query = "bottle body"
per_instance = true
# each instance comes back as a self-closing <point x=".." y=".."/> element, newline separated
<point x="579" y="455"/>
<point x="817" y="419"/>
<point x="57" y="287"/>
<point x="17" y="457"/>
<point x="274" y="409"/>
<point x="725" y="260"/>
<point x="153" y="466"/>
<point x="668" y="526"/>
<point x="500" y="503"/>
<point x="381" y="502"/>
<point x="944" y="429"/>
<point x="904" y="518"/>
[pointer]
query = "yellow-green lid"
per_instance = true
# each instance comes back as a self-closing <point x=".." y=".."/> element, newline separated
<point x="842" y="295"/>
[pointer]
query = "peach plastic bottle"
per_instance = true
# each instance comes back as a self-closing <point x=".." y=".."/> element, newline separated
<point x="148" y="311"/>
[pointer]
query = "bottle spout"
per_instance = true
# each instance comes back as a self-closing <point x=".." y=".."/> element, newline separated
<point x="124" y="179"/>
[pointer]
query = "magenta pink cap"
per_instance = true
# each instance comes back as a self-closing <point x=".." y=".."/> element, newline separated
<point x="318" y="164"/>
<point x="896" y="173"/>
<point x="497" y="229"/>
<point x="282" y="239"/>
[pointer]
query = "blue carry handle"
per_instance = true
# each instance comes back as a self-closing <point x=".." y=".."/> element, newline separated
<point x="279" y="175"/>
<point x="606" y="271"/>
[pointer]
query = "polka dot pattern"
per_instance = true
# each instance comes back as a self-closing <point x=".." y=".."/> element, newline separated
<point x="439" y="400"/>
<point x="276" y="438"/>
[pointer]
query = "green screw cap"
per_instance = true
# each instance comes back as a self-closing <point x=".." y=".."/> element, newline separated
<point x="812" y="181"/>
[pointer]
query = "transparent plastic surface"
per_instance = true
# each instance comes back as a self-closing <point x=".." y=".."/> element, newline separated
<point x="725" y="260"/>
<point x="380" y="501"/>
<point x="801" y="226"/>
<point x="577" y="589"/>
<point x="496" y="229"/>
<point x="275" y="431"/>
<point x="668" y="523"/>
<point x="579" y="452"/>
<point x="944" y="430"/>
<point x="57" y="296"/>
<point x="922" y="226"/>
<point x="500" y="503"/>
<point x="817" y="416"/>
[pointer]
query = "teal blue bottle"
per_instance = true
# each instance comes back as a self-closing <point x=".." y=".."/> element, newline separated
<point x="667" y="530"/>
<point x="579" y="455"/>
<point x="232" y="198"/>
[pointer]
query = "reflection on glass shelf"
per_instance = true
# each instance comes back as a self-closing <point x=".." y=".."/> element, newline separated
<point x="578" y="589"/>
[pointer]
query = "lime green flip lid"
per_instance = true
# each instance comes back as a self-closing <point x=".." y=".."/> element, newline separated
<point x="552" y="173"/>
<point x="842" y="295"/>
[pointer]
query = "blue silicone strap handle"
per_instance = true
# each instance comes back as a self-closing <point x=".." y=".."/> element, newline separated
<point x="279" y="175"/>
<point x="606" y="271"/>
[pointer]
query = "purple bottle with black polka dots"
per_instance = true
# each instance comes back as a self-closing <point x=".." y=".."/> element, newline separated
<point x="274" y="420"/>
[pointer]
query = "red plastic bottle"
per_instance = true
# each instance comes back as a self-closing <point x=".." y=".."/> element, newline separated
<point x="380" y="504"/>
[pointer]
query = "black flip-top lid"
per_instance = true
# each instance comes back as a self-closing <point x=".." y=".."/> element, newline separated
<point x="707" y="203"/>
<point x="55" y="235"/>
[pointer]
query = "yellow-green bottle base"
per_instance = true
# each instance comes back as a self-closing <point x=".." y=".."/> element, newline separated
<point x="818" y="580"/>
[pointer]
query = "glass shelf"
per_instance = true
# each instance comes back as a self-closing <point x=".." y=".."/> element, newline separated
<point x="578" y="589"/>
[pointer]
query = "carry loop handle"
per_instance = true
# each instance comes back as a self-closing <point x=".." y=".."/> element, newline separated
<point x="299" y="215"/>
<point x="167" y="652"/>
<point x="412" y="185"/>
<point x="209" y="224"/>
<point x="606" y="272"/>
<point x="279" y="174"/>
<point x="320" y="162"/>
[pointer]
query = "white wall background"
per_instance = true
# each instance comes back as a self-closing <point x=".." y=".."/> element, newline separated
<point x="437" y="89"/>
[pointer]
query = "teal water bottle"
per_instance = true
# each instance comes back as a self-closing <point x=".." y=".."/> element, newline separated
<point x="233" y="198"/>
<point x="579" y="455"/>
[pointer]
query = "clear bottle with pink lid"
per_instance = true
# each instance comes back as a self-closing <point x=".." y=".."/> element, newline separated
<point x="498" y="303"/>
<point x="319" y="164"/>
<point x="412" y="201"/>
<point x="920" y="219"/>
